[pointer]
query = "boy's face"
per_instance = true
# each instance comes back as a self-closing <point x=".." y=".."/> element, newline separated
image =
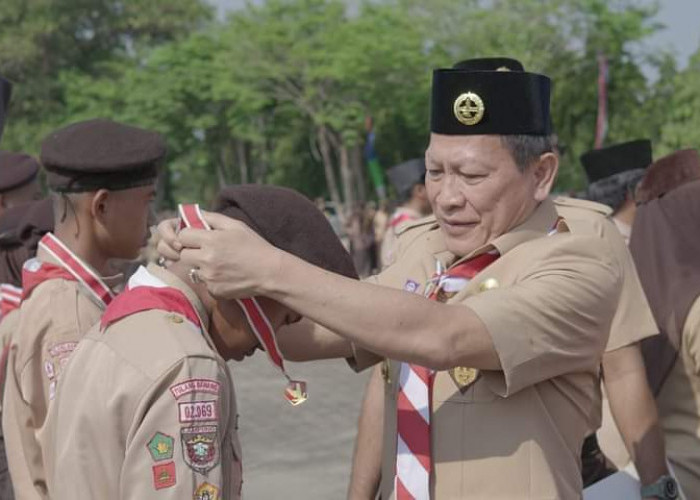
<point x="230" y="330"/>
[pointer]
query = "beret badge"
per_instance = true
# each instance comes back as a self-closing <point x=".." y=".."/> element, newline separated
<point x="469" y="108"/>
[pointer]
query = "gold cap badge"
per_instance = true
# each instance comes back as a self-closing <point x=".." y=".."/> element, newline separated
<point x="469" y="108"/>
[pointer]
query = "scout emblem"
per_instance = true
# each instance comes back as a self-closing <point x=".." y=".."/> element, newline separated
<point x="200" y="447"/>
<point x="164" y="475"/>
<point x="464" y="377"/>
<point x="206" y="491"/>
<point x="161" y="447"/>
<point x="469" y="108"/>
<point x="295" y="392"/>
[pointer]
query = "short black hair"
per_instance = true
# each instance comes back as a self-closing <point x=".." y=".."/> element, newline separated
<point x="525" y="149"/>
<point x="612" y="191"/>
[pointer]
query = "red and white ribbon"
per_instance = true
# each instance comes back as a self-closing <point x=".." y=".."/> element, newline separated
<point x="10" y="298"/>
<point x="295" y="392"/>
<point x="70" y="266"/>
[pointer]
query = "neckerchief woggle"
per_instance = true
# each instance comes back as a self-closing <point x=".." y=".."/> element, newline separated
<point x="295" y="392"/>
<point x="70" y="267"/>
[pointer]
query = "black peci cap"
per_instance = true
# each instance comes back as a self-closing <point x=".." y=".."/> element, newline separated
<point x="101" y="154"/>
<point x="5" y="94"/>
<point x="490" y="103"/>
<point x="406" y="175"/>
<point x="289" y="221"/>
<point x="615" y="159"/>
<point x="490" y="64"/>
<point x="16" y="170"/>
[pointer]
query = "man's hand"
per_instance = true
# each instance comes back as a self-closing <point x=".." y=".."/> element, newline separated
<point x="169" y="246"/>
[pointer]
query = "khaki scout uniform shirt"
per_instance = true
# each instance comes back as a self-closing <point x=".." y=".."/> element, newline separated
<point x="547" y="303"/>
<point x="145" y="410"/>
<point x="389" y="242"/>
<point x="52" y="321"/>
<point x="679" y="408"/>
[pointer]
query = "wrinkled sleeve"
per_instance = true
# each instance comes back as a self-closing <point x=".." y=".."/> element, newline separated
<point x="555" y="319"/>
<point x="180" y="441"/>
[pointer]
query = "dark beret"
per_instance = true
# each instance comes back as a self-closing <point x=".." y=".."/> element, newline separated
<point x="490" y="64"/>
<point x="101" y="154"/>
<point x="289" y="221"/>
<point x="16" y="170"/>
<point x="490" y="102"/>
<point x="5" y="94"/>
<point x="406" y="175"/>
<point x="615" y="159"/>
<point x="668" y="173"/>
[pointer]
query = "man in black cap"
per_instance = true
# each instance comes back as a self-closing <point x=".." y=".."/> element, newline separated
<point x="613" y="174"/>
<point x="408" y="181"/>
<point x="5" y="93"/>
<point x="102" y="175"/>
<point x="19" y="182"/>
<point x="168" y="426"/>
<point x="496" y="314"/>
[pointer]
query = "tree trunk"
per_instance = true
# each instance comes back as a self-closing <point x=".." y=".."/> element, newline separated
<point x="358" y="169"/>
<point x="221" y="168"/>
<point x="346" y="175"/>
<point x="242" y="160"/>
<point x="331" y="181"/>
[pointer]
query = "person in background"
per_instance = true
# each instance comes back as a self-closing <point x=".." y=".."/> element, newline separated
<point x="19" y="183"/>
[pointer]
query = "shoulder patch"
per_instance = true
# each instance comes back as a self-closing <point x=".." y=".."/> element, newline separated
<point x="161" y="447"/>
<point x="408" y="226"/>
<point x="206" y="491"/>
<point x="203" y="385"/>
<point x="564" y="201"/>
<point x="200" y="447"/>
<point x="164" y="476"/>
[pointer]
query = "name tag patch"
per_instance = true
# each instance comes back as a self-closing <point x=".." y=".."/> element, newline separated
<point x="198" y="411"/>
<point x="203" y="385"/>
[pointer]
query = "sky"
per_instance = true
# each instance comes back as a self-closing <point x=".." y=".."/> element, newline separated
<point x="681" y="18"/>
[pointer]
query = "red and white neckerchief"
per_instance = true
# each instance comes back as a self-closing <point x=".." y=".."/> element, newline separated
<point x="70" y="267"/>
<point x="10" y="298"/>
<point x="399" y="218"/>
<point x="413" y="458"/>
<point x="295" y="392"/>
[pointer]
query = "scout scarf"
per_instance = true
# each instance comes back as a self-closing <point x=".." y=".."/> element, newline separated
<point x="413" y="460"/>
<point x="10" y="298"/>
<point x="295" y="392"/>
<point x="70" y="267"/>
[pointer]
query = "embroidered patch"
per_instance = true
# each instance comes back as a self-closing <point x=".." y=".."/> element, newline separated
<point x="161" y="447"/>
<point x="48" y="368"/>
<point x="62" y="349"/>
<point x="206" y="491"/>
<point x="198" y="411"/>
<point x="200" y="447"/>
<point x="411" y="286"/>
<point x="204" y="385"/>
<point x="164" y="475"/>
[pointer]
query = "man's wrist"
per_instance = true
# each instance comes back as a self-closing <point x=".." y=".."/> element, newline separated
<point x="665" y="488"/>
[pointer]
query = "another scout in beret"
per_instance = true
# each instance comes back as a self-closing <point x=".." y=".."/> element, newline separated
<point x="169" y="422"/>
<point x="102" y="176"/>
<point x="490" y="325"/>
<point x="613" y="173"/>
<point x="5" y="94"/>
<point x="19" y="182"/>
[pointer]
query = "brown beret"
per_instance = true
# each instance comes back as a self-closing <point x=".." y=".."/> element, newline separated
<point x="668" y="173"/>
<point x="101" y="154"/>
<point x="16" y="170"/>
<point x="289" y="221"/>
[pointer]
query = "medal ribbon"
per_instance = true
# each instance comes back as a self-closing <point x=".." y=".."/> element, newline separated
<point x="70" y="267"/>
<point x="295" y="392"/>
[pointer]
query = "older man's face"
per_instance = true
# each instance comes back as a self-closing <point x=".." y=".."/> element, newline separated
<point x="476" y="190"/>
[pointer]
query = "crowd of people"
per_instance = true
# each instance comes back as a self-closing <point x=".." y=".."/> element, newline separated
<point x="522" y="345"/>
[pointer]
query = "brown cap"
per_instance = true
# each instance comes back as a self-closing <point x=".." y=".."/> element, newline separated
<point x="668" y="173"/>
<point x="289" y="221"/>
<point x="16" y="170"/>
<point x="101" y="154"/>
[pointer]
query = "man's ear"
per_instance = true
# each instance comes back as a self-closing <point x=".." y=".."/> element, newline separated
<point x="99" y="203"/>
<point x="545" y="173"/>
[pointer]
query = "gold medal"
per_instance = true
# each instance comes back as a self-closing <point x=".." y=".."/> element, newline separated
<point x="296" y="393"/>
<point x="464" y="377"/>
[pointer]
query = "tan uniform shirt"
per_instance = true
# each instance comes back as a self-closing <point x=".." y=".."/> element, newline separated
<point x="547" y="303"/>
<point x="52" y="321"/>
<point x="679" y="408"/>
<point x="389" y="242"/>
<point x="145" y="409"/>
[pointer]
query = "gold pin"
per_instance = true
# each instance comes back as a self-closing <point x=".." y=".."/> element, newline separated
<point x="469" y="108"/>
<point x="488" y="284"/>
<point x="176" y="319"/>
<point x="385" y="372"/>
<point x="464" y="377"/>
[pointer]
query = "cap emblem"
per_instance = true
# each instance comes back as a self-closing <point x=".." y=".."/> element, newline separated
<point x="469" y="108"/>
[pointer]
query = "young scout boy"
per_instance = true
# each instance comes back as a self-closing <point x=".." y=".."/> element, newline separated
<point x="103" y="176"/>
<point x="167" y="426"/>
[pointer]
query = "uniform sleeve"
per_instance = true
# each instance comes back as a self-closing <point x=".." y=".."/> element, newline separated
<point x="362" y="358"/>
<point x="181" y="444"/>
<point x="691" y="335"/>
<point x="555" y="319"/>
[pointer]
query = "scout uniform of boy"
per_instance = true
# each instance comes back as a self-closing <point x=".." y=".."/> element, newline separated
<point x="667" y="254"/>
<point x="498" y="312"/>
<point x="102" y="175"/>
<point x="168" y="427"/>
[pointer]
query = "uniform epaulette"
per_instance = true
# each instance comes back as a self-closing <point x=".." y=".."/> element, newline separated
<point x="565" y="201"/>
<point x="405" y="227"/>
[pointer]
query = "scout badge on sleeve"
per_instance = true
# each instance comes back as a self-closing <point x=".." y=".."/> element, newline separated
<point x="295" y="392"/>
